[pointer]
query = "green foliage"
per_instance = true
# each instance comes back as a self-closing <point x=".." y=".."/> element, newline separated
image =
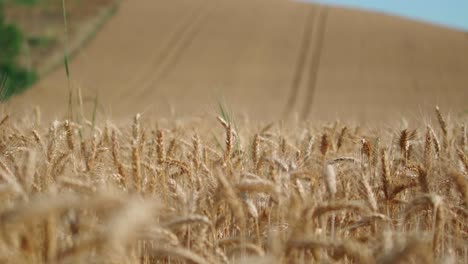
<point x="21" y="2"/>
<point x="15" y="81"/>
<point x="10" y="42"/>
<point x="14" y="78"/>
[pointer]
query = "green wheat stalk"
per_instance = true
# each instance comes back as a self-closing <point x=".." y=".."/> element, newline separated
<point x="66" y="59"/>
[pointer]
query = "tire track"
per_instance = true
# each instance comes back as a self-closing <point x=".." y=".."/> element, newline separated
<point x="173" y="56"/>
<point x="158" y="58"/>
<point x="301" y="62"/>
<point x="316" y="57"/>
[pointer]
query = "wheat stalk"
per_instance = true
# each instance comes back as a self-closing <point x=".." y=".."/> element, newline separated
<point x="69" y="132"/>
<point x="329" y="176"/>
<point x="324" y="144"/>
<point x="443" y="126"/>
<point x="136" y="165"/>
<point x="117" y="161"/>
<point x="341" y="137"/>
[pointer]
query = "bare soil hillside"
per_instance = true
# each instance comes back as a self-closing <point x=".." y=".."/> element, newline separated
<point x="178" y="57"/>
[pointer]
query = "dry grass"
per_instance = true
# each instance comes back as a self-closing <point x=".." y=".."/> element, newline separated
<point x="173" y="191"/>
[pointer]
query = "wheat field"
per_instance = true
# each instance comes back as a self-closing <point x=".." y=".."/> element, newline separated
<point x="223" y="191"/>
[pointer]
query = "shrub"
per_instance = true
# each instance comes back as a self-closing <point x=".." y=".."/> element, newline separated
<point x="11" y="40"/>
<point x="17" y="80"/>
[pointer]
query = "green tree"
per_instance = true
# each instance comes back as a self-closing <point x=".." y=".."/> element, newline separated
<point x="14" y="77"/>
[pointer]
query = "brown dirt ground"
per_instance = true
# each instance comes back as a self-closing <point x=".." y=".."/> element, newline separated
<point x="177" y="58"/>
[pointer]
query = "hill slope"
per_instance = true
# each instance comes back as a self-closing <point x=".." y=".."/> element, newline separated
<point x="179" y="56"/>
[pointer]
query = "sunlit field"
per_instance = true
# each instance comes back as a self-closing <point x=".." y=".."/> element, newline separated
<point x="231" y="191"/>
<point x="222" y="131"/>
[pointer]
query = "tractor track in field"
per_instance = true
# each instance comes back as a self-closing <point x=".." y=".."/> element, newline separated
<point x="301" y="62"/>
<point x="167" y="56"/>
<point x="180" y="45"/>
<point x="320" y="26"/>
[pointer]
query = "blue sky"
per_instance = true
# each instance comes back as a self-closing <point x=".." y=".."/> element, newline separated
<point x="450" y="13"/>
